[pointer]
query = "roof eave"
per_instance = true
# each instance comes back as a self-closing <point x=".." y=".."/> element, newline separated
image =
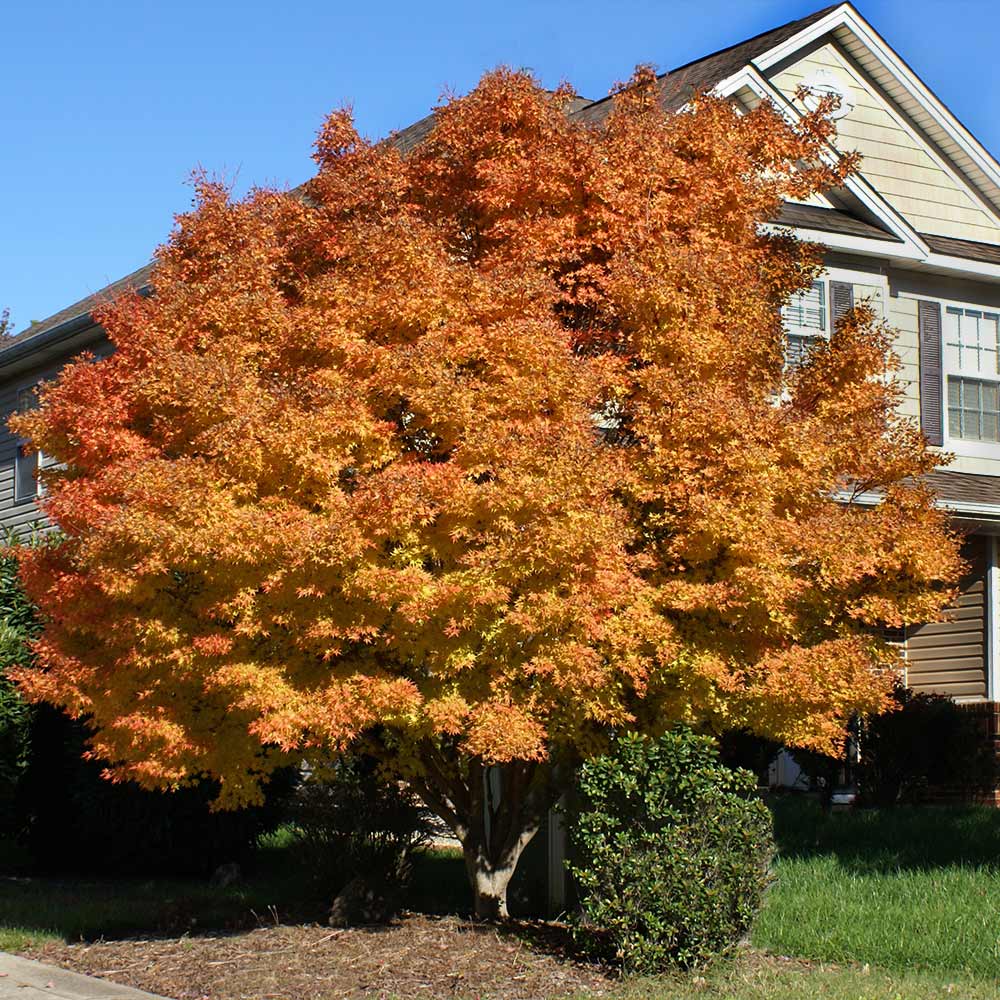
<point x="16" y="353"/>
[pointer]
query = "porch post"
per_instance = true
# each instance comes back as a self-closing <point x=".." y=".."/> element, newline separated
<point x="556" y="861"/>
<point x="992" y="620"/>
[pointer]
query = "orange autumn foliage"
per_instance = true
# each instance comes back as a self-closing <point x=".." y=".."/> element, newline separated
<point x="488" y="447"/>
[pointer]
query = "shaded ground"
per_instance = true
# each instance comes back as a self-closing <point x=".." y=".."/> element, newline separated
<point x="421" y="956"/>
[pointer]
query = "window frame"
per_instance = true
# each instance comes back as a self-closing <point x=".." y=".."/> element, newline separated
<point x="971" y="447"/>
<point x="808" y="333"/>
<point x="21" y="452"/>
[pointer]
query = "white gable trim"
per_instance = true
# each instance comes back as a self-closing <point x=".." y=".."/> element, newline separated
<point x="845" y="22"/>
<point x="900" y="253"/>
<point x="791" y="45"/>
<point x="912" y="245"/>
<point x="846" y="243"/>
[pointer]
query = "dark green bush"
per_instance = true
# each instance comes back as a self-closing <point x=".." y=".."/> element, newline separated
<point x="68" y="816"/>
<point x="18" y="625"/>
<point x="74" y="820"/>
<point x="353" y="819"/>
<point x="928" y="744"/>
<point x="672" y="851"/>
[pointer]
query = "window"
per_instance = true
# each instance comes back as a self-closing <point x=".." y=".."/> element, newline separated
<point x="27" y="460"/>
<point x="805" y="321"/>
<point x="972" y="361"/>
<point x="25" y="472"/>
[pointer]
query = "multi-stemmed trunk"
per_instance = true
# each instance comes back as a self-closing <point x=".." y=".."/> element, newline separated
<point x="494" y="810"/>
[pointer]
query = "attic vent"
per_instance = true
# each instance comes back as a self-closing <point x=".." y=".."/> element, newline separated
<point x="824" y="83"/>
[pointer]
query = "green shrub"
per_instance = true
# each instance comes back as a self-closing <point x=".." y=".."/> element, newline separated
<point x="672" y="850"/>
<point x="927" y="743"/>
<point x="18" y="625"/>
<point x="74" y="820"/>
<point x="353" y="820"/>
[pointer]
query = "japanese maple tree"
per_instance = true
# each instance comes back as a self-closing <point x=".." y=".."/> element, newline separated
<point x="475" y="453"/>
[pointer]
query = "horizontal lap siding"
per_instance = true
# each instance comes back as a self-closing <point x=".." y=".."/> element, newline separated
<point x="949" y="657"/>
<point x="20" y="517"/>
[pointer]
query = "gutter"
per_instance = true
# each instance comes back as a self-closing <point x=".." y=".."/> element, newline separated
<point x="47" y="338"/>
<point x="52" y="337"/>
<point x="966" y="508"/>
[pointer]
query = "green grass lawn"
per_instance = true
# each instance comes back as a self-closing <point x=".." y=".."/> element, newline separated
<point x="904" y="889"/>
<point x="891" y="905"/>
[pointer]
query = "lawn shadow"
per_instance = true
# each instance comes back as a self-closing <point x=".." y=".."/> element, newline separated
<point x="879" y="841"/>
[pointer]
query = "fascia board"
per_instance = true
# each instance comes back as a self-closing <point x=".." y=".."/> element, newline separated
<point x="963" y="266"/>
<point x="851" y="244"/>
<point x="960" y="507"/>
<point x="809" y="34"/>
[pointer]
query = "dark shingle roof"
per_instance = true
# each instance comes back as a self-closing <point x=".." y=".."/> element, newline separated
<point x="407" y="138"/>
<point x="680" y="84"/>
<point x="137" y="280"/>
<point x="830" y="220"/>
<point x="959" y="487"/>
<point x="988" y="253"/>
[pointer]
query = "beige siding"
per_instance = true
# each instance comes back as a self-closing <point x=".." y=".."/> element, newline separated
<point x="949" y="657"/>
<point x="897" y="160"/>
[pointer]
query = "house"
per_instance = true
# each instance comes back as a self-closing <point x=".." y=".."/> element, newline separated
<point x="916" y="233"/>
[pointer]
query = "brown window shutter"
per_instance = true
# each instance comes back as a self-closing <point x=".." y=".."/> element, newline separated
<point x="841" y="300"/>
<point x="931" y="410"/>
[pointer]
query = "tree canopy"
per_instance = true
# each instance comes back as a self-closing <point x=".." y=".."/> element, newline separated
<point x="477" y="453"/>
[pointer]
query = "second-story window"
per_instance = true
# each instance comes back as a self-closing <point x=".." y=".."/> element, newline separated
<point x="805" y="321"/>
<point x="27" y="460"/>
<point x="972" y="360"/>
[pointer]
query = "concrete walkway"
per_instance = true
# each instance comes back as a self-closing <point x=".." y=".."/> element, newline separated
<point x="23" y="979"/>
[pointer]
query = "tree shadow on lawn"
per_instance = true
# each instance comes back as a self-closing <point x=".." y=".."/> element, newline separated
<point x="277" y="889"/>
<point x="881" y="841"/>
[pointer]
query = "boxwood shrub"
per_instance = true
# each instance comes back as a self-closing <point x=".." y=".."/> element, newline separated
<point x="671" y="849"/>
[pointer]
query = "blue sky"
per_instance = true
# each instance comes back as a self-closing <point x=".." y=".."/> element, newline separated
<point x="107" y="106"/>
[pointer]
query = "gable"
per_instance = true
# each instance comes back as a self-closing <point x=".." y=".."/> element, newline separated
<point x="897" y="161"/>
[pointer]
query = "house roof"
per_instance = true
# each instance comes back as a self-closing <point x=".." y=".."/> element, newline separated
<point x="960" y="488"/>
<point x="988" y="253"/>
<point x="830" y="220"/>
<point x="81" y="310"/>
<point x="676" y="88"/>
<point x="679" y="85"/>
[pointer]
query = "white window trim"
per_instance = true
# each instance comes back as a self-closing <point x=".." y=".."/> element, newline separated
<point x="849" y="276"/>
<point x="962" y="447"/>
<point x="20" y="442"/>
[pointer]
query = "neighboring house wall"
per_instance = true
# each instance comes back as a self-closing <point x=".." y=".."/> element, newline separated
<point x="21" y="513"/>
<point x="16" y="513"/>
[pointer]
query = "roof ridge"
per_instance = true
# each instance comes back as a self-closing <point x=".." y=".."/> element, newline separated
<point x="803" y="21"/>
<point x="806" y="18"/>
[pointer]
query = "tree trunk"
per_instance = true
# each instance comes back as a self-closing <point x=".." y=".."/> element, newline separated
<point x="494" y="811"/>
<point x="490" y="877"/>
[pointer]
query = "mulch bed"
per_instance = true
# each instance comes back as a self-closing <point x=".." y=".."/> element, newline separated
<point x="419" y="956"/>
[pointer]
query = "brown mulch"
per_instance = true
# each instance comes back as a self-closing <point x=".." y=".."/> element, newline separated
<point x="420" y="956"/>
